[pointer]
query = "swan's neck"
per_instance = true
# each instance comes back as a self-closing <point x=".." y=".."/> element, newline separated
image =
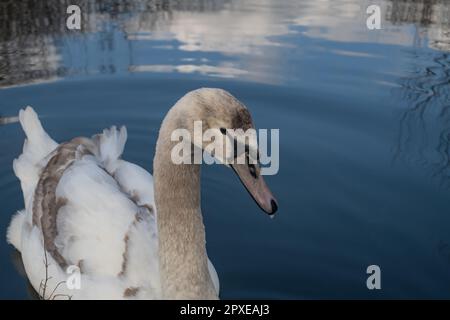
<point x="182" y="251"/>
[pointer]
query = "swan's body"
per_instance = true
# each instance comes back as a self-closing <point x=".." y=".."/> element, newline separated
<point x="88" y="208"/>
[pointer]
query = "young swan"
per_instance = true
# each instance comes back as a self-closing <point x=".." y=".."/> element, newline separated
<point x="182" y="252"/>
<point x="86" y="207"/>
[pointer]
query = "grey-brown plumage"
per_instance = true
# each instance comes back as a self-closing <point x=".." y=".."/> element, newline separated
<point x="182" y="251"/>
<point x="46" y="205"/>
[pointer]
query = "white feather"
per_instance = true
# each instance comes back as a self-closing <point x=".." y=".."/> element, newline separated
<point x="93" y="226"/>
<point x="14" y="232"/>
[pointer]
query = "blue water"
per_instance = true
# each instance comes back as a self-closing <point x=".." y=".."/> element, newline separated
<point x="363" y="118"/>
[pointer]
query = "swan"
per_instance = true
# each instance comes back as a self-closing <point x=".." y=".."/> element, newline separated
<point x="110" y="229"/>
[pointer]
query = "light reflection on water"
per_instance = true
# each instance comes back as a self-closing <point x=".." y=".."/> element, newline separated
<point x="363" y="118"/>
<point x="220" y="38"/>
<point x="245" y="39"/>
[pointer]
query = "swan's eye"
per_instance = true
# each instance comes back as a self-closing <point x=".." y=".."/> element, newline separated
<point x="223" y="130"/>
<point x="252" y="169"/>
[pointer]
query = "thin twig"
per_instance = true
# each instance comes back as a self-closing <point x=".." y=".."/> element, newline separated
<point x="60" y="283"/>
<point x="44" y="283"/>
<point x="46" y="273"/>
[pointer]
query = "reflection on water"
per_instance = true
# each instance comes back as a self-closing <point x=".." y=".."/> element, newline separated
<point x="424" y="127"/>
<point x="431" y="17"/>
<point x="35" y="45"/>
<point x="424" y="135"/>
<point x="340" y="94"/>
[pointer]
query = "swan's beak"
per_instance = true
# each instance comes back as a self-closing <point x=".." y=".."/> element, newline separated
<point x="254" y="183"/>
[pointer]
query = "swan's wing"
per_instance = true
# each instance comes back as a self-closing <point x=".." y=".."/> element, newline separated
<point x="93" y="219"/>
<point x="102" y="229"/>
<point x="98" y="229"/>
<point x="106" y="224"/>
<point x="86" y="217"/>
<point x="136" y="182"/>
<point x="142" y="261"/>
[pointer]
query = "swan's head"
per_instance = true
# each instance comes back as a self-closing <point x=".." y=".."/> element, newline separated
<point x="225" y="135"/>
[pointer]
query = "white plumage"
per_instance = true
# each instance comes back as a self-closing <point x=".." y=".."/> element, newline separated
<point x="106" y="227"/>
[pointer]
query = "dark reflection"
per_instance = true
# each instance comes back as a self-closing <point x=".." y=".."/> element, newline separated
<point x="411" y="11"/>
<point x="33" y="33"/>
<point x="17" y="261"/>
<point x="431" y="18"/>
<point x="424" y="133"/>
<point x="27" y="49"/>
